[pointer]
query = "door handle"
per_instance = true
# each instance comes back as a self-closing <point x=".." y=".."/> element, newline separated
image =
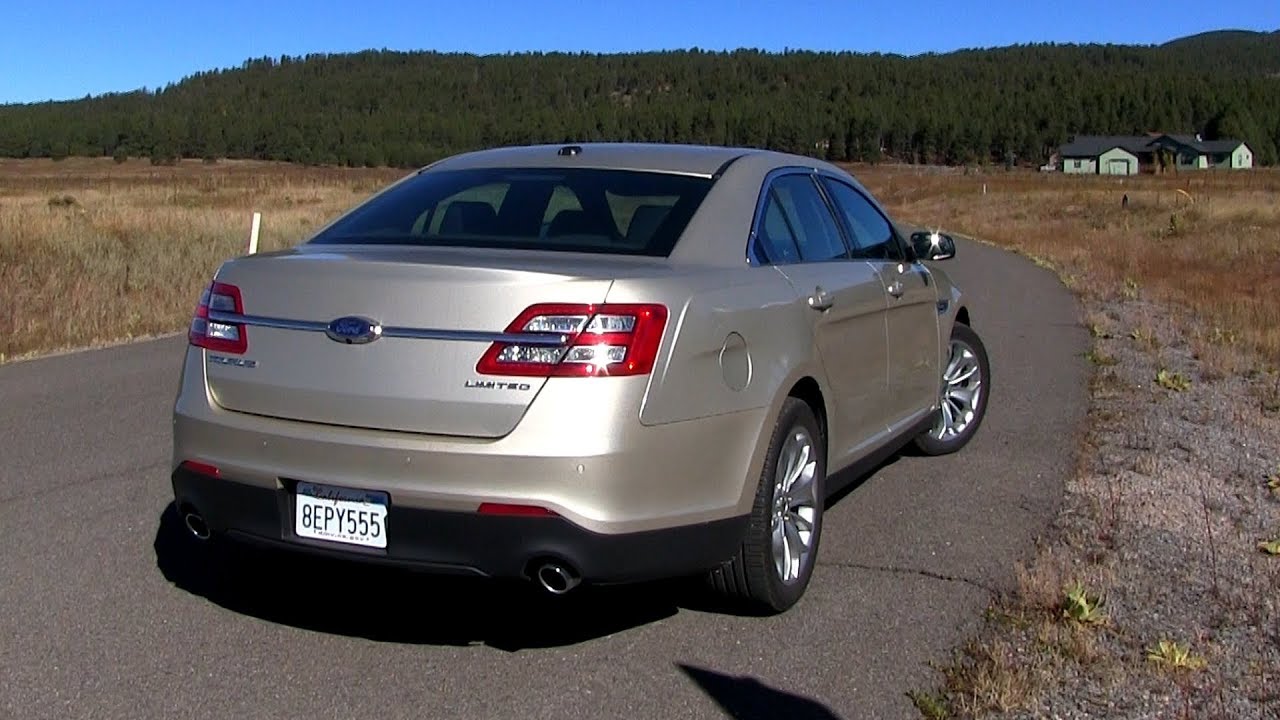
<point x="820" y="299"/>
<point x="896" y="288"/>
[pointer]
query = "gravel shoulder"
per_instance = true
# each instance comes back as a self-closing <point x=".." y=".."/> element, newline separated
<point x="1164" y="528"/>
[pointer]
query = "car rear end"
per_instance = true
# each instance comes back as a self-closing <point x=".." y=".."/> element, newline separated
<point x="437" y="384"/>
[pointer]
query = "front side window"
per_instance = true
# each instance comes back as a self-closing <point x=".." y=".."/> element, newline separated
<point x="796" y="225"/>
<point x="873" y="236"/>
<point x="618" y="212"/>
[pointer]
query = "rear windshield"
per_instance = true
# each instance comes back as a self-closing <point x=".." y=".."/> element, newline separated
<point x="618" y="212"/>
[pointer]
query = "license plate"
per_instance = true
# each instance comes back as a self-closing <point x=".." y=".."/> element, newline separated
<point x="356" y="517"/>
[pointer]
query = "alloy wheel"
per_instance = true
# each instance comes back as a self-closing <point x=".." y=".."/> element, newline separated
<point x="794" y="505"/>
<point x="961" y="391"/>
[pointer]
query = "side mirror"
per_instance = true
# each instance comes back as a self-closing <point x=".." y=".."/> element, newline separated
<point x="933" y="245"/>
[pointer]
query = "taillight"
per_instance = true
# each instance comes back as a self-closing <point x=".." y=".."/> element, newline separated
<point x="611" y="339"/>
<point x="213" y="333"/>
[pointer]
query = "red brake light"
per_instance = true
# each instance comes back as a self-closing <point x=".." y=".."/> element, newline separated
<point x="599" y="340"/>
<point x="201" y="468"/>
<point x="212" y="334"/>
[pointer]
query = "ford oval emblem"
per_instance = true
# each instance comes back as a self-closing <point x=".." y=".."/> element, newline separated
<point x="354" y="330"/>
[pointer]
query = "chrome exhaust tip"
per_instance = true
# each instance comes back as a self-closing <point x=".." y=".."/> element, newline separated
<point x="196" y="525"/>
<point x="557" y="578"/>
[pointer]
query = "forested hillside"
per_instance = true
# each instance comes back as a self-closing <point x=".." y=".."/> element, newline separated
<point x="976" y="106"/>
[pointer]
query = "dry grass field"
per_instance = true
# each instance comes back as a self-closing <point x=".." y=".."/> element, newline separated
<point x="1205" y="243"/>
<point x="93" y="251"/>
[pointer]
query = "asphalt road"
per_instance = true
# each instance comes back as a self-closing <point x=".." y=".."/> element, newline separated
<point x="109" y="612"/>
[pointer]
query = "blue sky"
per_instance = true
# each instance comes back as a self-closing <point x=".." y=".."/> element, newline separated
<point x="58" y="49"/>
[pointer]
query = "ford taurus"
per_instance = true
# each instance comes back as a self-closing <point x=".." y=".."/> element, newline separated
<point x="601" y="362"/>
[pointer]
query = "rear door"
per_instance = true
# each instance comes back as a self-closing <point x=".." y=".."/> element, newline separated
<point x="797" y="233"/>
<point x="912" y="318"/>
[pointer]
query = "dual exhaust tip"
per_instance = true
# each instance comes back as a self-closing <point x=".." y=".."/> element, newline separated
<point x="554" y="577"/>
<point x="196" y="525"/>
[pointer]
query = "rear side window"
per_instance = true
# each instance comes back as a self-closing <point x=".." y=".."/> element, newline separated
<point x="796" y="225"/>
<point x="572" y="210"/>
<point x="775" y="239"/>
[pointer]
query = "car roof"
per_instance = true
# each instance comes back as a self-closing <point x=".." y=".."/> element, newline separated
<point x="699" y="160"/>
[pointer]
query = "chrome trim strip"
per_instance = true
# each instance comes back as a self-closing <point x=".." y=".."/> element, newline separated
<point x="540" y="339"/>
<point x="260" y="321"/>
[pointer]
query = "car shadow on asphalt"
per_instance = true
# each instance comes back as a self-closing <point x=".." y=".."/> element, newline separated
<point x="844" y="483"/>
<point x="393" y="605"/>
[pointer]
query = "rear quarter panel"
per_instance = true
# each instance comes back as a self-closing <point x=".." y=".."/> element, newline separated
<point x="732" y="338"/>
<point x="700" y="369"/>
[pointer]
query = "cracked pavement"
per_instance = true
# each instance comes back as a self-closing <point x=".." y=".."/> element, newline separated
<point x="107" y="613"/>
<point x="909" y="571"/>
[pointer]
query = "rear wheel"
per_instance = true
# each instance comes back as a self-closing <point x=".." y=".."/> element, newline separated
<point x="773" y="566"/>
<point x="965" y="380"/>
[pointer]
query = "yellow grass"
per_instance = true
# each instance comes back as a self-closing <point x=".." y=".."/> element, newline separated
<point x="1205" y="243"/>
<point x="94" y="251"/>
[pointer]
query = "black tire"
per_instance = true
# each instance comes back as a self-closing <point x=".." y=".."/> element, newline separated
<point x="928" y="442"/>
<point x="751" y="580"/>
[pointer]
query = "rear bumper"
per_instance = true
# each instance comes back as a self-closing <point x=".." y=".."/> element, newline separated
<point x="466" y="542"/>
<point x="583" y="454"/>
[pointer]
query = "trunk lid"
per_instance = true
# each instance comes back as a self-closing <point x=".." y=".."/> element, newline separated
<point x="394" y="383"/>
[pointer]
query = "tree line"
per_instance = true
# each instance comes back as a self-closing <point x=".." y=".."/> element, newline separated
<point x="1005" y="105"/>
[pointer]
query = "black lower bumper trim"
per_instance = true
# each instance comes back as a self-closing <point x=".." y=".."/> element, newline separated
<point x="467" y="543"/>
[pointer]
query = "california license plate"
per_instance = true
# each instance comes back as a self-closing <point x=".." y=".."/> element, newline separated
<point x="356" y="517"/>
